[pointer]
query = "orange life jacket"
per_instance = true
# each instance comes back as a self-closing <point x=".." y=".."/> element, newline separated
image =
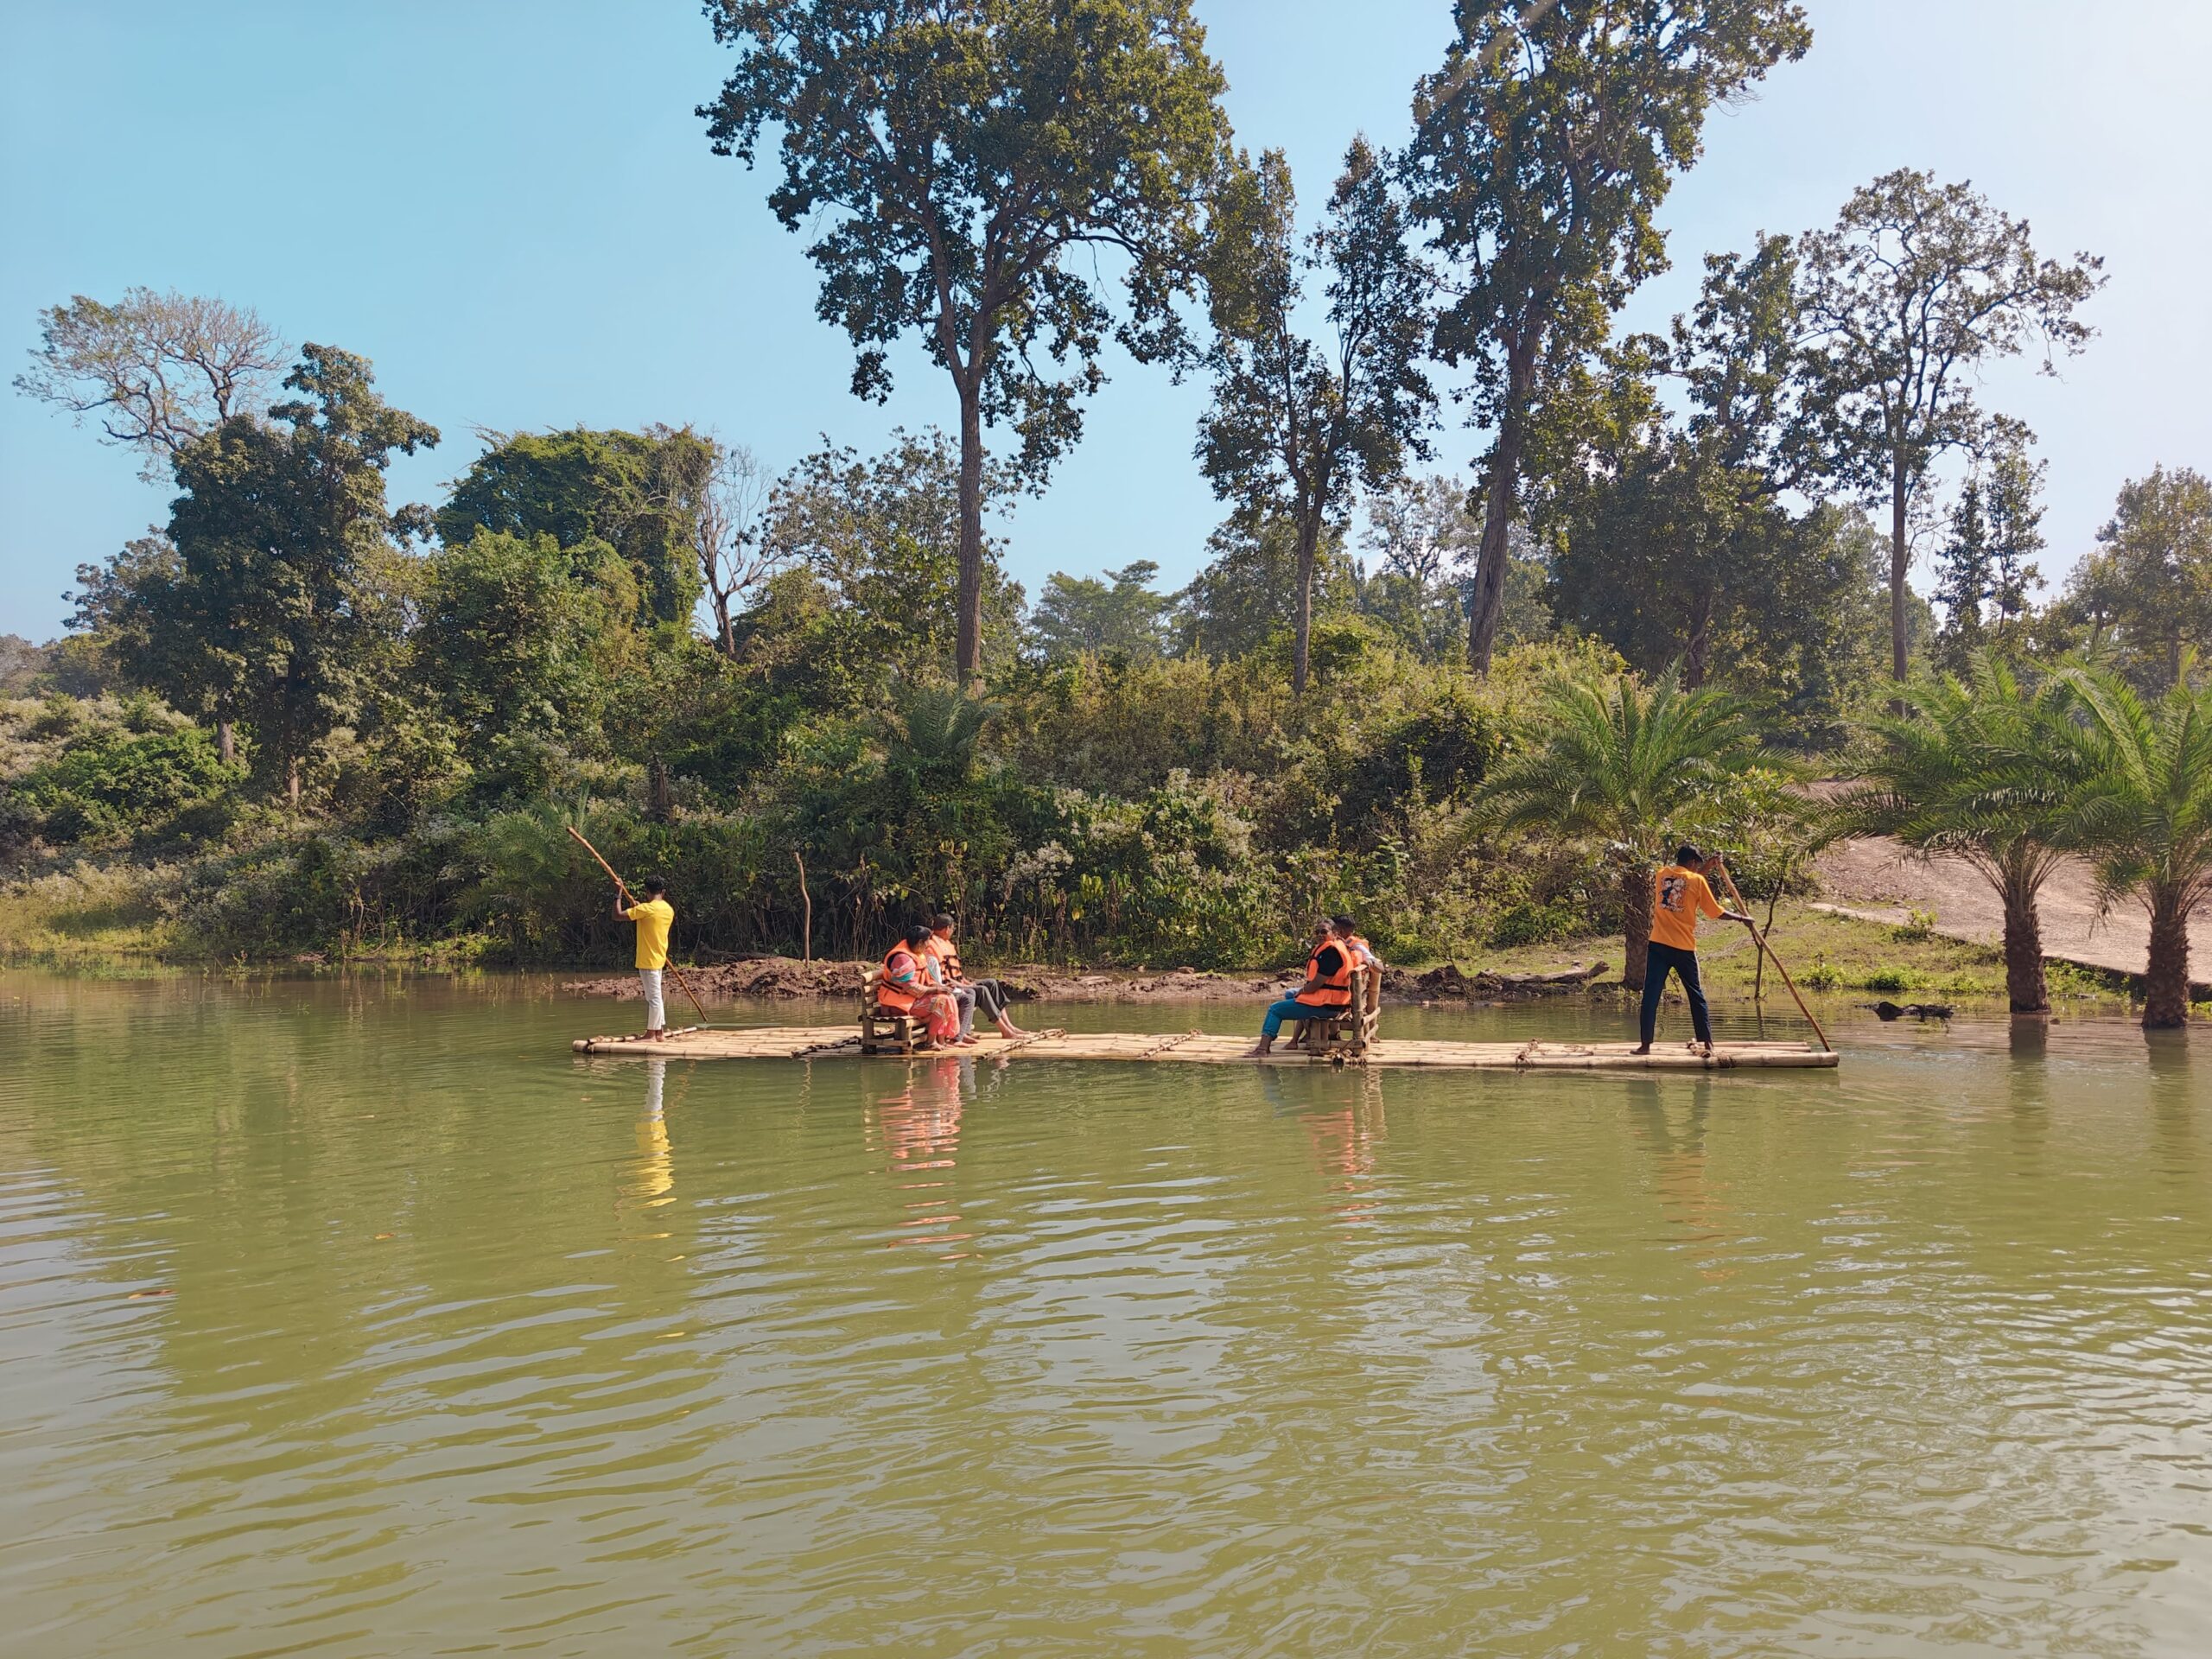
<point x="1334" y="990"/>
<point x="948" y="959"/>
<point x="898" y="999"/>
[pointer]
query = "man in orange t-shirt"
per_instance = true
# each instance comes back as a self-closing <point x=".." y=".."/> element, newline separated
<point x="1679" y="897"/>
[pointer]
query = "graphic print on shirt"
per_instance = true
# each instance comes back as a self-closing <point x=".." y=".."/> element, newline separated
<point x="1673" y="889"/>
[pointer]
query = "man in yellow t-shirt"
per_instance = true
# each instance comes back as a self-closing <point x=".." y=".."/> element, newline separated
<point x="1679" y="897"/>
<point x="654" y="918"/>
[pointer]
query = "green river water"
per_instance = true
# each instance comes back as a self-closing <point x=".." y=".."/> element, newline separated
<point x="351" y="1317"/>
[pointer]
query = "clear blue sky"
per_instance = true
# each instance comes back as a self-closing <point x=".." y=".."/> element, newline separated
<point x="509" y="205"/>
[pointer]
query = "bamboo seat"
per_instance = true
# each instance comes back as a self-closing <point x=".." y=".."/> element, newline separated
<point x="883" y="1031"/>
<point x="1348" y="1033"/>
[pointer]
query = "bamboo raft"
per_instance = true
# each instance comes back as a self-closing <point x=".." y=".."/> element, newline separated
<point x="1193" y="1047"/>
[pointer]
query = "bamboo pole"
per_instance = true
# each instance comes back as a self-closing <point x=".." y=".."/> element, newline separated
<point x="806" y="946"/>
<point x="1721" y="865"/>
<point x="622" y="888"/>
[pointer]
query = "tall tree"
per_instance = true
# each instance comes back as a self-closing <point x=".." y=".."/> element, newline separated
<point x="967" y="163"/>
<point x="1299" y="424"/>
<point x="1541" y="150"/>
<point x="1916" y="289"/>
<point x="2147" y="589"/>
<point x="274" y="593"/>
<point x="157" y="370"/>
<point x="1422" y="536"/>
<point x="1962" y="580"/>
<point x="1124" y="612"/>
<point x="874" y="547"/>
<point x="735" y="560"/>
<point x="639" y="493"/>
<point x="1983" y="569"/>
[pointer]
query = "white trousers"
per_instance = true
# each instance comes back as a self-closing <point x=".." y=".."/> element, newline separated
<point x="655" y="1015"/>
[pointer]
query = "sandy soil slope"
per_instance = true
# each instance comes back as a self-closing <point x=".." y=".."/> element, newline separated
<point x="1876" y="879"/>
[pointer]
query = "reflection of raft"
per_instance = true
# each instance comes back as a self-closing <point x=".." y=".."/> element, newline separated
<point x="834" y="1042"/>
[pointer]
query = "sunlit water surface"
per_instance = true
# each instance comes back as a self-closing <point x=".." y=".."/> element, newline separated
<point x="362" y="1319"/>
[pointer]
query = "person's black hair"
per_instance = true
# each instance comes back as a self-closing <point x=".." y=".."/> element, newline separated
<point x="655" y="886"/>
<point x="1344" y="924"/>
<point x="917" y="936"/>
<point x="939" y="922"/>
<point x="1687" y="853"/>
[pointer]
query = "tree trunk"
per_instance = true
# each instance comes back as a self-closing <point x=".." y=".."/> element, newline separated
<point x="226" y="743"/>
<point x="1900" y="555"/>
<point x="970" y="652"/>
<point x="1486" y="607"/>
<point x="2023" y="975"/>
<point x="1697" y="655"/>
<point x="2166" y="983"/>
<point x="1309" y="534"/>
<point x="292" y="783"/>
<point x="1636" y="907"/>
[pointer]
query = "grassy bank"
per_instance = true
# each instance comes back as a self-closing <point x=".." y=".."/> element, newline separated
<point x="1831" y="954"/>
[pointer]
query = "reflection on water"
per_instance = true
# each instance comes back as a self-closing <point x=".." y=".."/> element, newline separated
<point x="916" y="1125"/>
<point x="361" y="1318"/>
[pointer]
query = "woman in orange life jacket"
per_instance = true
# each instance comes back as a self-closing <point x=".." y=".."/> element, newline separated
<point x="1363" y="956"/>
<point x="907" y="986"/>
<point x="971" y="993"/>
<point x="1327" y="988"/>
<point x="1363" y="953"/>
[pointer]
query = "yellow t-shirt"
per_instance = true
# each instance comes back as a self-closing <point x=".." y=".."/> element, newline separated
<point x="654" y="918"/>
<point x="1677" y="896"/>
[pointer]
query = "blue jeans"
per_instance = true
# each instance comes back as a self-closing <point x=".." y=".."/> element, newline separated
<point x="1663" y="960"/>
<point x="1289" y="1008"/>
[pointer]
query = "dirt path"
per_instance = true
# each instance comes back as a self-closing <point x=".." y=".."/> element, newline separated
<point x="1878" y="880"/>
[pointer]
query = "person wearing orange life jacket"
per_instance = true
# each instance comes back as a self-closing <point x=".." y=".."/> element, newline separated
<point x="1327" y="988"/>
<point x="906" y="986"/>
<point x="971" y="994"/>
<point x="1363" y="953"/>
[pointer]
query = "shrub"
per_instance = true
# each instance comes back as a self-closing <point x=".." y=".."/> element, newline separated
<point x="1916" y="927"/>
<point x="117" y="785"/>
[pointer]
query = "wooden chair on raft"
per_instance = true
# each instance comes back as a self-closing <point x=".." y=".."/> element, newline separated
<point x="1349" y="1032"/>
<point x="883" y="1031"/>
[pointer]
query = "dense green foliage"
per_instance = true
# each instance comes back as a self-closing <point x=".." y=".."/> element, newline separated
<point x="1472" y="708"/>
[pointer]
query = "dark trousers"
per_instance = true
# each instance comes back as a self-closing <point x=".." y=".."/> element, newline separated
<point x="990" y="996"/>
<point x="1663" y="960"/>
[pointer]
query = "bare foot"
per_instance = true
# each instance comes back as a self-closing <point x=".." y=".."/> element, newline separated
<point x="1260" y="1053"/>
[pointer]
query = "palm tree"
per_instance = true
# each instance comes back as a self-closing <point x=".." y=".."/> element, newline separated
<point x="1977" y="767"/>
<point x="2142" y="810"/>
<point x="1609" y="760"/>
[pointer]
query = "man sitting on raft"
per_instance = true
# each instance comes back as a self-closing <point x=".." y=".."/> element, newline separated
<point x="1327" y="990"/>
<point x="1679" y="897"/>
<point x="971" y="994"/>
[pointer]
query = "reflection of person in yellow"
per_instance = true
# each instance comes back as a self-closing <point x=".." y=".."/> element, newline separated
<point x="656" y="1174"/>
